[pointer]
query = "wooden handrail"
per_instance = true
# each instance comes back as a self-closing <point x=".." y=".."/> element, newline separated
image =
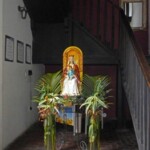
<point x="138" y="50"/>
<point x="135" y="71"/>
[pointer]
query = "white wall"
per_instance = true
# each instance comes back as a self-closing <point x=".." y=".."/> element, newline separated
<point x="1" y="63"/>
<point x="137" y="18"/>
<point x="17" y="85"/>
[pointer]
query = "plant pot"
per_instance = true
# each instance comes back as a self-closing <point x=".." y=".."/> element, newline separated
<point x="50" y="132"/>
<point x="94" y="133"/>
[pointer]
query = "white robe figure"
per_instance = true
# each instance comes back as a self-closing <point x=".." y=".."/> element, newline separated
<point x="71" y="79"/>
<point x="70" y="87"/>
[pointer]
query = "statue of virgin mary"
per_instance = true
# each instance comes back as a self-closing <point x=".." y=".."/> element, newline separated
<point x="71" y="78"/>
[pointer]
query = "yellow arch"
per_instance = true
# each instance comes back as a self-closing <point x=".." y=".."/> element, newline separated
<point x="78" y="57"/>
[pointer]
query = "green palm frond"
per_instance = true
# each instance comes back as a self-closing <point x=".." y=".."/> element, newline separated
<point x="89" y="84"/>
<point x="52" y="80"/>
<point x="48" y="88"/>
<point x="96" y="92"/>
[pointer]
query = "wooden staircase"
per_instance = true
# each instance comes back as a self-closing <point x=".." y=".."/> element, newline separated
<point x="108" y="24"/>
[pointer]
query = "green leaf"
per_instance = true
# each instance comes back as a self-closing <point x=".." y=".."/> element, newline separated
<point x="42" y="102"/>
<point x="42" y="96"/>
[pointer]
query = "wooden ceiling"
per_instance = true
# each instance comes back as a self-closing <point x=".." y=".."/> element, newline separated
<point x="47" y="11"/>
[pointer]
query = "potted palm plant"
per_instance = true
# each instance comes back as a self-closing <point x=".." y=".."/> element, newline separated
<point x="95" y="90"/>
<point x="48" y="88"/>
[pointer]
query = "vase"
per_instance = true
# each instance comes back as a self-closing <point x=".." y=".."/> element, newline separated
<point x="94" y="133"/>
<point x="50" y="132"/>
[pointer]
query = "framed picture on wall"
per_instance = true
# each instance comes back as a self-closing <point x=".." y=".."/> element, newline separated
<point x="20" y="52"/>
<point x="28" y="55"/>
<point x="9" y="48"/>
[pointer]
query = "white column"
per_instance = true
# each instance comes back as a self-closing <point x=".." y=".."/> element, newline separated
<point x="1" y="71"/>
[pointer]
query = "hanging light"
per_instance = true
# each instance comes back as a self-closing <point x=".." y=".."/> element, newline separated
<point x="23" y="12"/>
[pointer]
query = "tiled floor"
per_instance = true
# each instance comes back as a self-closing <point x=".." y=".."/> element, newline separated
<point x="111" y="139"/>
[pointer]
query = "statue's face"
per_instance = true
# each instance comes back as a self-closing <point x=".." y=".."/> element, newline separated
<point x="71" y="59"/>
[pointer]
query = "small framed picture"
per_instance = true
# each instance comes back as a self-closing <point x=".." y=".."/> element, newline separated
<point x="28" y="55"/>
<point x="9" y="48"/>
<point x="20" y="52"/>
